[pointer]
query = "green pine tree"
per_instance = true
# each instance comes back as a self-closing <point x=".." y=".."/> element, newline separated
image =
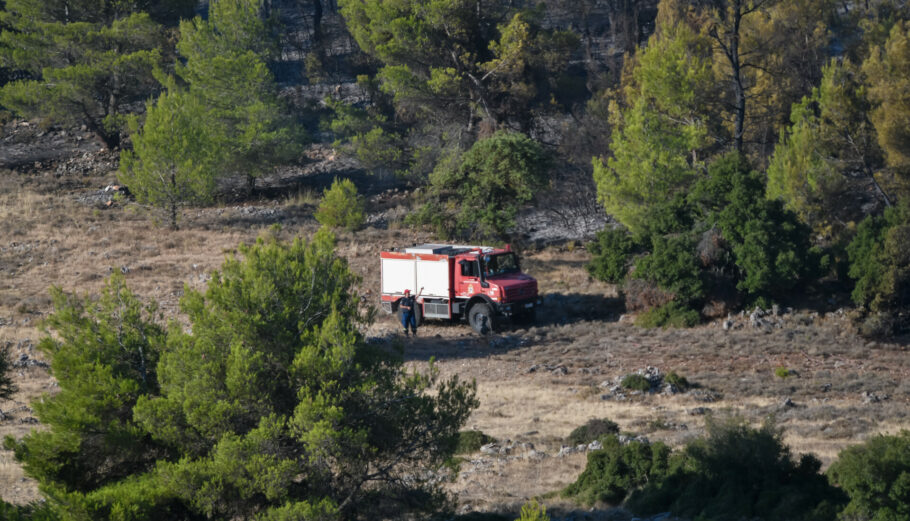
<point x="91" y="59"/>
<point x="269" y="405"/>
<point x="175" y="155"/>
<point x="226" y="67"/>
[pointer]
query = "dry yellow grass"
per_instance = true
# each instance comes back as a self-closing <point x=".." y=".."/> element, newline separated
<point x="53" y="240"/>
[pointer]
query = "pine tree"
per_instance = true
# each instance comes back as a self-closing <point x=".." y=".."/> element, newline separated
<point x="829" y="153"/>
<point x="91" y="59"/>
<point x="661" y="129"/>
<point x="175" y="155"/>
<point x="888" y="73"/>
<point x="269" y="405"/>
<point x="226" y="67"/>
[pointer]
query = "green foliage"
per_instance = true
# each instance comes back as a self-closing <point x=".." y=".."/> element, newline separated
<point x="771" y="248"/>
<point x="592" y="430"/>
<point x="270" y="404"/>
<point x="737" y="472"/>
<point x="678" y="381"/>
<point x="91" y="61"/>
<point x="671" y="314"/>
<point x="617" y="469"/>
<point x="673" y="266"/>
<point x="366" y="135"/>
<point x="814" y="167"/>
<point x="7" y="386"/>
<point x="33" y="512"/>
<point x="226" y="66"/>
<point x="888" y="72"/>
<point x="341" y="206"/>
<point x="480" y="193"/>
<point x="533" y="511"/>
<point x="657" y="133"/>
<point x="876" y="477"/>
<point x="880" y="265"/>
<point x="448" y="59"/>
<point x="103" y="354"/>
<point x="782" y="372"/>
<point x="175" y="155"/>
<point x="636" y="382"/>
<point x="470" y="442"/>
<point x="611" y="253"/>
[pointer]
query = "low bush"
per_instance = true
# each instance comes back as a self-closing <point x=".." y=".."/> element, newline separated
<point x="672" y="314"/>
<point x="33" y="512"/>
<point x="533" y="511"/>
<point x="876" y="477"/>
<point x="341" y="207"/>
<point x="636" y="382"/>
<point x="782" y="372"/>
<point x="737" y="472"/>
<point x="611" y="253"/>
<point x="594" y="429"/>
<point x="470" y="442"/>
<point x="616" y="470"/>
<point x="677" y="381"/>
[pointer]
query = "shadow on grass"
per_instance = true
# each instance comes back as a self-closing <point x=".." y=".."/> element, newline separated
<point x="444" y="340"/>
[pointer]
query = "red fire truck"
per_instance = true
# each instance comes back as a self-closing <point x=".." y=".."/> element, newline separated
<point x="478" y="283"/>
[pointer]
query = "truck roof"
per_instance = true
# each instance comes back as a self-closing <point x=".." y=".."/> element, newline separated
<point x="446" y="249"/>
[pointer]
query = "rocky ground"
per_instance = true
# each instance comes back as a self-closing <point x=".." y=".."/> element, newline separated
<point x="65" y="224"/>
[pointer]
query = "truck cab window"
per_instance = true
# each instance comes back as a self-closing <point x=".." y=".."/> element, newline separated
<point x="468" y="268"/>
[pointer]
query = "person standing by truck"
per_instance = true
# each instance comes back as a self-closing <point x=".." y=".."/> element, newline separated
<point x="408" y="316"/>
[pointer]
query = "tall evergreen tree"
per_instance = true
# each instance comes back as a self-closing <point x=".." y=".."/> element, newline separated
<point x="663" y="126"/>
<point x="93" y="59"/>
<point x="226" y="66"/>
<point x="828" y="158"/>
<point x="270" y="405"/>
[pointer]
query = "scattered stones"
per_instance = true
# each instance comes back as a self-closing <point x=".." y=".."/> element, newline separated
<point x="24" y="361"/>
<point x="595" y="445"/>
<point x="787" y="403"/>
<point x="699" y="411"/>
<point x="870" y="397"/>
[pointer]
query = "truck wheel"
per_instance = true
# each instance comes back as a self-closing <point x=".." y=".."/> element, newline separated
<point x="482" y="319"/>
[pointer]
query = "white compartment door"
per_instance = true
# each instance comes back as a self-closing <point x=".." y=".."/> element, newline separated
<point x="398" y="275"/>
<point x="433" y="276"/>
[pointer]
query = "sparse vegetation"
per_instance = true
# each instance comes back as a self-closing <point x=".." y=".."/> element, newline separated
<point x="678" y="381"/>
<point x="341" y="206"/>
<point x="533" y="511"/>
<point x="7" y="385"/>
<point x="782" y="372"/>
<point x="636" y="382"/>
<point x="671" y="314"/>
<point x="593" y="429"/>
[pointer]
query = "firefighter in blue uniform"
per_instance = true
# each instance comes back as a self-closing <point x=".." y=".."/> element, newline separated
<point x="408" y="314"/>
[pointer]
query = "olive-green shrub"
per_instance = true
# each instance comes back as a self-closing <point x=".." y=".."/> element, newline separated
<point x="592" y="430"/>
<point x="876" y="476"/>
<point x="342" y="206"/>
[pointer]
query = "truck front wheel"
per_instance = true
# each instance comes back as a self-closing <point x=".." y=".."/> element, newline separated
<point x="482" y="319"/>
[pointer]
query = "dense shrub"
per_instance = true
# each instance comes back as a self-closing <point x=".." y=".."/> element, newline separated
<point x="673" y="265"/>
<point x="879" y="258"/>
<point x="594" y="429"/>
<point x="876" y="476"/>
<point x="617" y="469"/>
<point x="479" y="193"/>
<point x="737" y="472"/>
<point x="636" y="382"/>
<point x="33" y="512"/>
<point x="470" y="441"/>
<point x="671" y="314"/>
<point x="342" y="206"/>
<point x="611" y="251"/>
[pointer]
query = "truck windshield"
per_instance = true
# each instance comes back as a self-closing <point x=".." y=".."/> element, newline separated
<point x="500" y="264"/>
